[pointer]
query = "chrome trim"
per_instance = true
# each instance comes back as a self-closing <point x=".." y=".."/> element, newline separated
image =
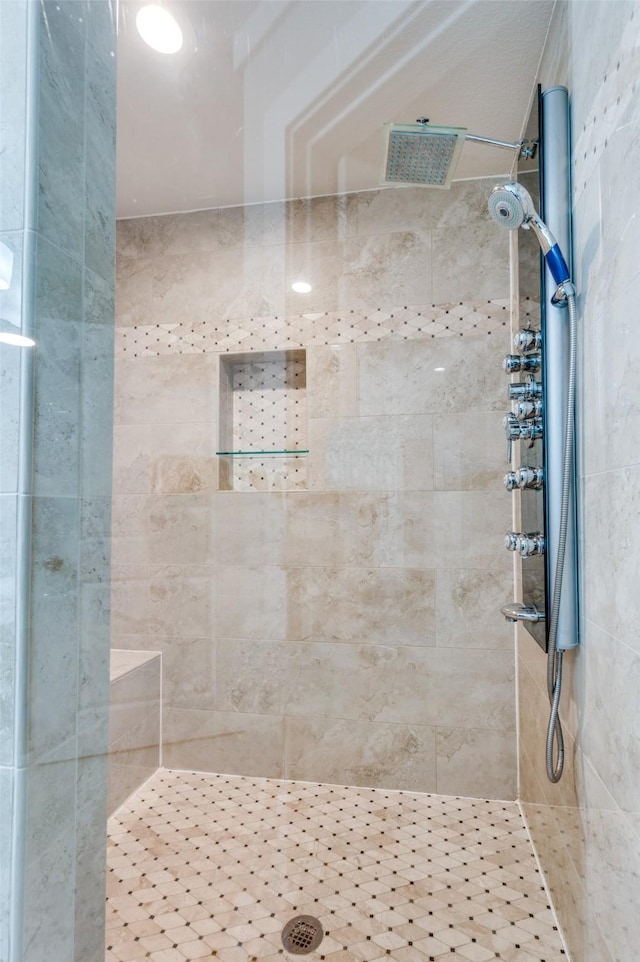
<point x="518" y="612"/>
<point x="497" y="143"/>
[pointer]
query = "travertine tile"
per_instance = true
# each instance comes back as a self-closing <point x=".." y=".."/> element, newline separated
<point x="133" y="696"/>
<point x="130" y="599"/>
<point x="256" y="225"/>
<point x="470" y="319"/>
<point x="468" y="601"/>
<point x="610" y="509"/>
<point x="248" y="529"/>
<point x="321" y="218"/>
<point x="417" y="877"/>
<point x="609" y="732"/>
<point x="469" y="451"/>
<point x="361" y="753"/>
<point x="361" y="605"/>
<point x="180" y="601"/>
<point x="410" y="685"/>
<point x="224" y="740"/>
<point x="188" y="297"/>
<point x="322" y="527"/>
<point x="331" y="380"/>
<point x="165" y="390"/>
<point x="481" y="261"/>
<point x="179" y="529"/>
<point x="206" y="284"/>
<point x="187" y="671"/>
<point x="440" y="529"/>
<point x="133" y="758"/>
<point x="251" y="602"/>
<point x="396" y="377"/>
<point x="129" y="528"/>
<point x="371" y="453"/>
<point x="155" y="458"/>
<point x="466" y="760"/>
<point x="140" y="237"/>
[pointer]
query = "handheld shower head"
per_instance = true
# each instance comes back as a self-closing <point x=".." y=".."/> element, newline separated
<point x="511" y="206"/>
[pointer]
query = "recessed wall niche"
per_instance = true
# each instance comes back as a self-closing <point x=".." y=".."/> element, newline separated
<point x="263" y="421"/>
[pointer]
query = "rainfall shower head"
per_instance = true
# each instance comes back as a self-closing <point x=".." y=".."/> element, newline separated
<point x="421" y="154"/>
<point x="511" y="206"/>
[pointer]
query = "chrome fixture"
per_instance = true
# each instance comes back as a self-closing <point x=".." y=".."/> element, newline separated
<point x="511" y="206"/>
<point x="425" y="155"/>
<point x="516" y="430"/>
<point x="530" y="544"/>
<point x="530" y="389"/>
<point x="528" y="409"/>
<point x="516" y="612"/>
<point x="524" y="477"/>
<point x="527" y="340"/>
<point x="516" y="362"/>
<point x="511" y="540"/>
<point x="526" y="545"/>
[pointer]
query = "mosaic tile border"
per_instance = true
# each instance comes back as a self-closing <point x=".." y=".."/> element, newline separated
<point x="274" y="333"/>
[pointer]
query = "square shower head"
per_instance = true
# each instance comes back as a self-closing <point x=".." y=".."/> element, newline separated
<point x="421" y="155"/>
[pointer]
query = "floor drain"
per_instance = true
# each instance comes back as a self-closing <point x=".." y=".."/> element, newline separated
<point x="302" y="934"/>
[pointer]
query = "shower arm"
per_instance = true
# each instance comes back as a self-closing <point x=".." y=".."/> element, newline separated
<point x="529" y="152"/>
<point x="525" y="152"/>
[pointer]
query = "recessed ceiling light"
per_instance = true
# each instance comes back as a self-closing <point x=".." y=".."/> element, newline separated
<point x="301" y="287"/>
<point x="159" y="29"/>
<point x="439" y="369"/>
<point x="20" y="340"/>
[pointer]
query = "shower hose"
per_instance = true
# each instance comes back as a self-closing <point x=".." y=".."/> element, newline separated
<point x="555" y="740"/>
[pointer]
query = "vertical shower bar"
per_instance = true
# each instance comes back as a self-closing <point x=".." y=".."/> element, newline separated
<point x="556" y="212"/>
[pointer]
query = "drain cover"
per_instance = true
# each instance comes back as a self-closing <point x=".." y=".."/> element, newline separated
<point x="302" y="934"/>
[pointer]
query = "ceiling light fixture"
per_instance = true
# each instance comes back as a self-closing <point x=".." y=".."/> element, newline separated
<point x="301" y="287"/>
<point x="159" y="29"/>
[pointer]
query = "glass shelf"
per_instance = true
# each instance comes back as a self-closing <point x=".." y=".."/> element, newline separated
<point x="293" y="452"/>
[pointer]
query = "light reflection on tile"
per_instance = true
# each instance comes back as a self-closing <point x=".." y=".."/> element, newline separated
<point x="203" y="865"/>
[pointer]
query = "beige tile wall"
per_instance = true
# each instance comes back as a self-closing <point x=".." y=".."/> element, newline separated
<point x="586" y="828"/>
<point x="348" y="632"/>
<point x="134" y="722"/>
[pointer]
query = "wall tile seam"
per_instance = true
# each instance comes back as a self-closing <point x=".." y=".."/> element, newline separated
<point x="199" y="567"/>
<point x="315" y="640"/>
<point x="312" y="489"/>
<point x="288" y="716"/>
<point x="615" y="807"/>
<point x="542" y="691"/>
<point x="631" y="467"/>
<point x="611" y="636"/>
<point x="282" y="243"/>
<point x="503" y="655"/>
<point x="328" y="418"/>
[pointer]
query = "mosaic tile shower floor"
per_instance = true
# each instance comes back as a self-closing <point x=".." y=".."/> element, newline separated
<point x="212" y="867"/>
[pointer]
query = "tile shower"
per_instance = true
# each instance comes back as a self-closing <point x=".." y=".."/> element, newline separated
<point x="586" y="829"/>
<point x="327" y="615"/>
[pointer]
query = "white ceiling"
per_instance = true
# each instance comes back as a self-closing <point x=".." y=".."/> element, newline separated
<point x="277" y="99"/>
